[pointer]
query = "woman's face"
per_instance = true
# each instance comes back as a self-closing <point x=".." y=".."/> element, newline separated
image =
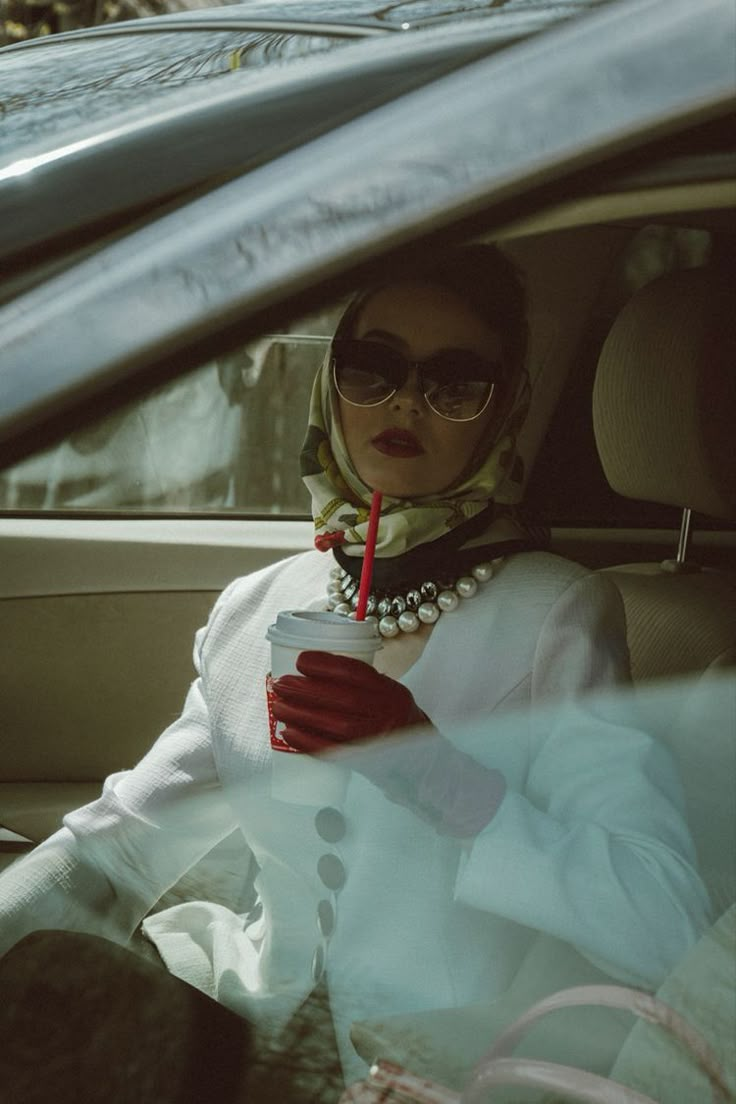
<point x="401" y="447"/>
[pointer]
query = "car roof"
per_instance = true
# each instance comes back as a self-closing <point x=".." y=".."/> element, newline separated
<point x="141" y="119"/>
<point x="52" y="85"/>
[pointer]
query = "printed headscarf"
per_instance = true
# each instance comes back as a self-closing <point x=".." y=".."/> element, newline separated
<point x="341" y="501"/>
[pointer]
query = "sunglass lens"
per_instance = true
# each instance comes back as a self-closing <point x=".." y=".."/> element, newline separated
<point x="363" y="372"/>
<point x="459" y="387"/>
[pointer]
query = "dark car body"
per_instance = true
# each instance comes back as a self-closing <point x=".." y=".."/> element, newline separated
<point x="318" y="166"/>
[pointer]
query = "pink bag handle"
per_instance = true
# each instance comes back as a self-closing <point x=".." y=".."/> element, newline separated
<point x="498" y="1068"/>
<point x="389" y="1082"/>
<point x="576" y="1084"/>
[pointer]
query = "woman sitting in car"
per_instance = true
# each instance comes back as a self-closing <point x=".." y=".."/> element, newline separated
<point x="428" y="884"/>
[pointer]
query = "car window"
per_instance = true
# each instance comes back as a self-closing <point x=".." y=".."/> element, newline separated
<point x="224" y="438"/>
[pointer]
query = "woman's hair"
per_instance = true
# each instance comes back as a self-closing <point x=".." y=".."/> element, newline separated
<point x="484" y="278"/>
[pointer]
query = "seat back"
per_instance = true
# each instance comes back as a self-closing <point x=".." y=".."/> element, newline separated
<point x="664" y="411"/>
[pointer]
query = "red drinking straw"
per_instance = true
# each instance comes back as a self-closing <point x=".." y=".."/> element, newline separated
<point x="370" y="550"/>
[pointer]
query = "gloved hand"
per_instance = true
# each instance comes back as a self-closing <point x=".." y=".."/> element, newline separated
<point x="338" y="702"/>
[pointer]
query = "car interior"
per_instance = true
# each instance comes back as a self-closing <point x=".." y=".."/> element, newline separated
<point x="629" y="464"/>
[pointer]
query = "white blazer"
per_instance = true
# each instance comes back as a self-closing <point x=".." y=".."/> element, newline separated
<point x="589" y="844"/>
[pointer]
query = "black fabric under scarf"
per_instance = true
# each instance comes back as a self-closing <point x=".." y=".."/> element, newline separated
<point x="444" y="559"/>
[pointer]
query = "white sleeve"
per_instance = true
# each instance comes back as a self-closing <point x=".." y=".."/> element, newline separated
<point x="593" y="847"/>
<point x="112" y="859"/>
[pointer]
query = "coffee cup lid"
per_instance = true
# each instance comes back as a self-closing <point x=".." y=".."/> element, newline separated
<point x="322" y="631"/>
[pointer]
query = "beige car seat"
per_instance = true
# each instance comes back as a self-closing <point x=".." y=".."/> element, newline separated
<point x="664" y="412"/>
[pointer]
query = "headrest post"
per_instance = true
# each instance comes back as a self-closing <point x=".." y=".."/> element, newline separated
<point x="683" y="546"/>
<point x="681" y="565"/>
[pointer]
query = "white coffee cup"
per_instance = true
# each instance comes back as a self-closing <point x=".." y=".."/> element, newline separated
<point x="307" y="779"/>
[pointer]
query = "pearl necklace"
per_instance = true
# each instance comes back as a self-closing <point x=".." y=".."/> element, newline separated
<point x="421" y="605"/>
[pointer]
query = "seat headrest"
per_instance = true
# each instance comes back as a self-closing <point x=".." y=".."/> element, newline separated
<point x="664" y="400"/>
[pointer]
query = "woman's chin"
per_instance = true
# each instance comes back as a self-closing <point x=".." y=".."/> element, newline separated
<point x="396" y="480"/>
<point x="401" y="489"/>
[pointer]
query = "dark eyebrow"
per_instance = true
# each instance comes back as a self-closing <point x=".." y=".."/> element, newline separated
<point x="386" y="337"/>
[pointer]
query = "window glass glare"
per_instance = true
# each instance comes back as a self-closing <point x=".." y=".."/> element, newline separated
<point x="225" y="438"/>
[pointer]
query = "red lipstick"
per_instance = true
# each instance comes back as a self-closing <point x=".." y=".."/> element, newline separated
<point x="399" y="443"/>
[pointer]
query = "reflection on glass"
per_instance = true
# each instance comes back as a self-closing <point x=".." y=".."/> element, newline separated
<point x="225" y="438"/>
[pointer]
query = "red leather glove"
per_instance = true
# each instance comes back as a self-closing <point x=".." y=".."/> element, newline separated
<point x="338" y="702"/>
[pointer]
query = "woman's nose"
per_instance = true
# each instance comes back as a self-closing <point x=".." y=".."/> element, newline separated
<point x="410" y="393"/>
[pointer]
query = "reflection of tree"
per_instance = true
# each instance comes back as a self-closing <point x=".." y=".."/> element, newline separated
<point x="73" y="86"/>
<point x="298" y="1065"/>
<point x="20" y="19"/>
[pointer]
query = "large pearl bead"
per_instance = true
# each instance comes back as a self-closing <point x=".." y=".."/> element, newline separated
<point x="333" y="591"/>
<point x="482" y="572"/>
<point x="428" y="613"/>
<point x="414" y="599"/>
<point x="447" y="600"/>
<point x="466" y="586"/>
<point x="388" y="626"/>
<point x="343" y="607"/>
<point x="336" y="573"/>
<point x="408" y="622"/>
